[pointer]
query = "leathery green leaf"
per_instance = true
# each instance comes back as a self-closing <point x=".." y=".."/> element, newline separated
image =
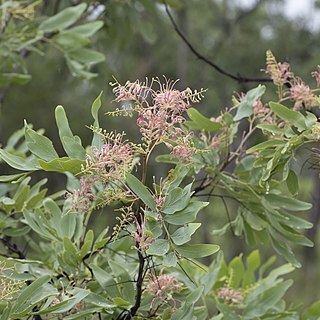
<point x="183" y="234"/>
<point x="141" y="191"/>
<point x="40" y="145"/>
<point x="200" y="122"/>
<point x="17" y="162"/>
<point x="63" y="19"/>
<point x="294" y="117"/>
<point x="159" y="247"/>
<point x="64" y="164"/>
<point x="71" y="144"/>
<point x="197" y="250"/>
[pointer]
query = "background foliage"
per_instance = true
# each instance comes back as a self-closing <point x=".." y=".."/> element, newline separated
<point x="40" y="54"/>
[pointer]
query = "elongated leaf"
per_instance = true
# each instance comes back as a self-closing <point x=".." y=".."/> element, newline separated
<point x="70" y="41"/>
<point x="265" y="145"/>
<point x="40" y="145"/>
<point x="17" y="162"/>
<point x="65" y="164"/>
<point x="183" y="234"/>
<point x="159" y="247"/>
<point x="97" y="140"/>
<point x="88" y="29"/>
<point x="292" y="183"/>
<point x="12" y="177"/>
<point x="141" y="191"/>
<point x="177" y="199"/>
<point x="245" y="108"/>
<point x="287" y="203"/>
<point x="200" y="122"/>
<point x="71" y="144"/>
<point x="86" y="56"/>
<point x="186" y="215"/>
<point x="197" y="250"/>
<point x="294" y="117"/>
<point x="27" y="294"/>
<point x="63" y="19"/>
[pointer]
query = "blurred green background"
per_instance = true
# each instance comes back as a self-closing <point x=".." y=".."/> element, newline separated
<point x="138" y="40"/>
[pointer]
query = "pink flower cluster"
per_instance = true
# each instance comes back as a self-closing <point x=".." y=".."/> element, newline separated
<point x="280" y="73"/>
<point x="113" y="160"/>
<point x="83" y="197"/>
<point x="299" y="92"/>
<point x="230" y="295"/>
<point x="302" y="94"/>
<point x="162" y="286"/>
<point x="160" y="113"/>
<point x="142" y="239"/>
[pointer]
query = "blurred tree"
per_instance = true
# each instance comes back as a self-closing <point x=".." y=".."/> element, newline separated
<point x="137" y="40"/>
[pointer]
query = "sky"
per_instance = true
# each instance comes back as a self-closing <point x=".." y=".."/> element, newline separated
<point x="304" y="9"/>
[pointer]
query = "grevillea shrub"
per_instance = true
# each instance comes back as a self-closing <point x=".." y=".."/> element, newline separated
<point x="149" y="265"/>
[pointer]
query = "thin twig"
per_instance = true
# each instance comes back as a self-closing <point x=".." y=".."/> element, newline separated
<point x="236" y="77"/>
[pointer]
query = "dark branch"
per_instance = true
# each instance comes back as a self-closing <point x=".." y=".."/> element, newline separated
<point x="236" y="77"/>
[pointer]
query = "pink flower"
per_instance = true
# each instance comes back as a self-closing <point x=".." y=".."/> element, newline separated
<point x="142" y="239"/>
<point x="316" y="75"/>
<point x="230" y="295"/>
<point x="162" y="286"/>
<point x="302" y="94"/>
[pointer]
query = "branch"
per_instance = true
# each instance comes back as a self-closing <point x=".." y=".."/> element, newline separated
<point x="236" y="77"/>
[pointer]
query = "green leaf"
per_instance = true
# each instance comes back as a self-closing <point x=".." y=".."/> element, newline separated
<point x="159" y="247"/>
<point x="12" y="177"/>
<point x="287" y="203"/>
<point x="211" y="277"/>
<point x="200" y="122"/>
<point x="266" y="145"/>
<point x="186" y="215"/>
<point x="83" y="314"/>
<point x="39" y="145"/>
<point x="267" y="300"/>
<point x="70" y="255"/>
<point x="183" y="234"/>
<point x="17" y="162"/>
<point x="141" y="191"/>
<point x="71" y="144"/>
<point x="63" y="165"/>
<point x="236" y="271"/>
<point x="79" y="69"/>
<point x="313" y="312"/>
<point x="292" y="183"/>
<point x="87" y="243"/>
<point x="33" y="293"/>
<point x="77" y="296"/>
<point x="86" y="56"/>
<point x="170" y="260"/>
<point x="272" y="128"/>
<point x="101" y="275"/>
<point x="177" y="199"/>
<point x="71" y="41"/>
<point x="97" y="140"/>
<point x="245" y="108"/>
<point x="63" y="19"/>
<point x="293" y="117"/>
<point x="197" y="250"/>
<point x="18" y="78"/>
<point x="88" y="29"/>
